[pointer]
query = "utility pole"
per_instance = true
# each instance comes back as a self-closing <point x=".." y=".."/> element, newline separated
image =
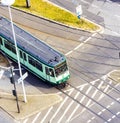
<point x="12" y="80"/>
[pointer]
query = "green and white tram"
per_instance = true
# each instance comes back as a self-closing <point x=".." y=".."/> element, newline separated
<point x="36" y="56"/>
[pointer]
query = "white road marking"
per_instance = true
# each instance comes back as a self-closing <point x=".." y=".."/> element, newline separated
<point x="105" y="90"/>
<point x="46" y="114"/>
<point x="81" y="44"/>
<point x="103" y="110"/>
<point x="99" y="113"/>
<point x="25" y="121"/>
<point x="118" y="99"/>
<point x="86" y="94"/>
<point x="1" y="73"/>
<point x="108" y="106"/>
<point x="34" y="120"/>
<point x="68" y="107"/>
<point x="80" y="86"/>
<point x="88" y="121"/>
<point x="109" y="120"/>
<point x="118" y="113"/>
<point x="68" y="119"/>
<point x="69" y="53"/>
<point x="113" y="116"/>
<point x="112" y="103"/>
<point x="60" y="106"/>
<point x="88" y="90"/>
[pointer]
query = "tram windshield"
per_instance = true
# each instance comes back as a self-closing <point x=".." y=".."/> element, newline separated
<point x="61" y="69"/>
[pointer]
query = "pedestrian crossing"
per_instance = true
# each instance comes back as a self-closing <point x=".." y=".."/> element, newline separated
<point x="68" y="109"/>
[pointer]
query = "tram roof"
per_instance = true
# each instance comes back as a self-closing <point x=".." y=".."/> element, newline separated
<point x="31" y="44"/>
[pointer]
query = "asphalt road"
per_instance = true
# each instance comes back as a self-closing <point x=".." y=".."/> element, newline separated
<point x="89" y="61"/>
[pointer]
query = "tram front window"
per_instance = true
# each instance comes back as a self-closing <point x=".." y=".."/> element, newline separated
<point x="61" y="69"/>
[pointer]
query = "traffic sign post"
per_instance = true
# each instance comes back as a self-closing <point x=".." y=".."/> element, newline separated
<point x="79" y="11"/>
<point x="22" y="78"/>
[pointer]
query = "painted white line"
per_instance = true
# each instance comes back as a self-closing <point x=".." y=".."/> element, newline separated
<point x="69" y="53"/>
<point x="68" y="119"/>
<point x="100" y="84"/>
<point x="88" y="121"/>
<point x="68" y="107"/>
<point x="93" y="118"/>
<point x="80" y="86"/>
<point x="89" y="99"/>
<point x="82" y="99"/>
<point x="25" y="121"/>
<point x="113" y="116"/>
<point x="88" y="90"/>
<point x="105" y="90"/>
<point x="118" y="113"/>
<point x="87" y="39"/>
<point x="93" y="82"/>
<point x="103" y="110"/>
<point x="60" y="106"/>
<point x="46" y="114"/>
<point x="109" y="120"/>
<point x="112" y="103"/>
<point x="108" y="106"/>
<point x="34" y="120"/>
<point x="78" y="46"/>
<point x="81" y="44"/>
<point x="99" y="113"/>
<point x="118" y="99"/>
<point x="88" y="103"/>
<point x="94" y="34"/>
<point x="1" y="73"/>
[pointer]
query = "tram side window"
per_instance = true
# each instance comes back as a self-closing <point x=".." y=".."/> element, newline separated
<point x="13" y="49"/>
<point x="1" y="41"/>
<point x="20" y="54"/>
<point x="10" y="46"/>
<point x="39" y="66"/>
<point x="31" y="61"/>
<point x="24" y="55"/>
<point x="7" y="45"/>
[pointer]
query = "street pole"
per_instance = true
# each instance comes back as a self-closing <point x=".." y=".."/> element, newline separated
<point x="13" y="82"/>
<point x="20" y="71"/>
<point x="28" y="3"/>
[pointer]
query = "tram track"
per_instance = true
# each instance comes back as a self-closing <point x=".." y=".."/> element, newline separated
<point x="110" y="86"/>
<point x="83" y="105"/>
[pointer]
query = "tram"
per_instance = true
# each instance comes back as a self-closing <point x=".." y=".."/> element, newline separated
<point x="35" y="55"/>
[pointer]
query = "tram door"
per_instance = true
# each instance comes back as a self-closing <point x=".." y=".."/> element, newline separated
<point x="22" y="57"/>
<point x="47" y="74"/>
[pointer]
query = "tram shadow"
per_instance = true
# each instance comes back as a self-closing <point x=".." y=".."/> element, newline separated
<point x="31" y="79"/>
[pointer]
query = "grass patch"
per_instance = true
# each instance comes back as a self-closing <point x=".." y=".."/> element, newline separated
<point x="47" y="10"/>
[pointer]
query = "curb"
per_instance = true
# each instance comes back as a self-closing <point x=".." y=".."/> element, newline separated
<point x="61" y="24"/>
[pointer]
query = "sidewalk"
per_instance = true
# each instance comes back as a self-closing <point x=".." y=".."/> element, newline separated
<point x="35" y="104"/>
